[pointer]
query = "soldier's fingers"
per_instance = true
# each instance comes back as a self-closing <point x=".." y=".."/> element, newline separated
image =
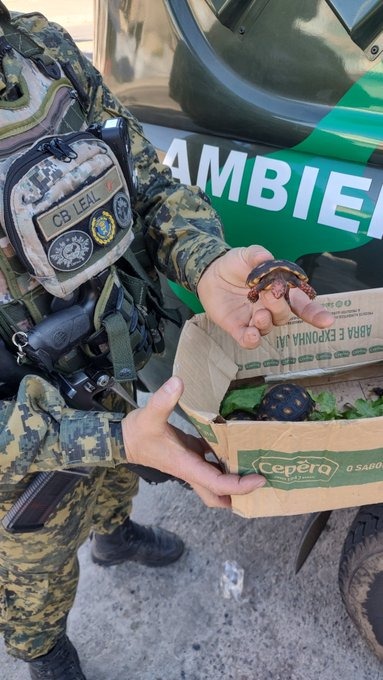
<point x="197" y="471"/>
<point x="262" y="319"/>
<point x="211" y="499"/>
<point x="247" y="337"/>
<point x="162" y="402"/>
<point x="279" y="308"/>
<point x="310" y="310"/>
<point x="255" y="255"/>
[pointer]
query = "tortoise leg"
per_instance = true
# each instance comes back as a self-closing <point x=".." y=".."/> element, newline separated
<point x="309" y="290"/>
<point x="253" y="295"/>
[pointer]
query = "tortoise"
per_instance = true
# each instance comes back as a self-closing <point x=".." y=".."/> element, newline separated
<point x="278" y="276"/>
<point x="287" y="401"/>
<point x="241" y="414"/>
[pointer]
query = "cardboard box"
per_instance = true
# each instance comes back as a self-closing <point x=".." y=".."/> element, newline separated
<point x="309" y="466"/>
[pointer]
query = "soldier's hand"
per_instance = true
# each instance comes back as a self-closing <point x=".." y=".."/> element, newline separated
<point x="150" y="440"/>
<point x="223" y="293"/>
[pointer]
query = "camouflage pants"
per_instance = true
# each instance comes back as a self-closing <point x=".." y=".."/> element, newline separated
<point x="39" y="571"/>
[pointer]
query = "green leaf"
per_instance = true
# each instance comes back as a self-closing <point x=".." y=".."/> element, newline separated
<point x="318" y="415"/>
<point x="325" y="404"/>
<point x="364" y="408"/>
<point x="248" y="398"/>
<point x="245" y="399"/>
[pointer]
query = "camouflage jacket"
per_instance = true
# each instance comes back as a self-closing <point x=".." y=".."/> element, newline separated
<point x="183" y="235"/>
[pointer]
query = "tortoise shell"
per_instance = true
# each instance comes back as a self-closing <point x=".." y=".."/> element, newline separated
<point x="278" y="276"/>
<point x="271" y="266"/>
<point x="240" y="414"/>
<point x="287" y="401"/>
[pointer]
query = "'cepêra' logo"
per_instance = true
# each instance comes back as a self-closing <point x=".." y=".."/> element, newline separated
<point x="295" y="470"/>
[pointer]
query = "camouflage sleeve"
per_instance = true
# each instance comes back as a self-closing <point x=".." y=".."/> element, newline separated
<point x="183" y="232"/>
<point x="39" y="432"/>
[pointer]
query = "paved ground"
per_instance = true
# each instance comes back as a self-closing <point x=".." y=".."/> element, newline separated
<point x="131" y="623"/>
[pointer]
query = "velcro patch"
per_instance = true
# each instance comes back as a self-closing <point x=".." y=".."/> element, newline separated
<point x="73" y="211"/>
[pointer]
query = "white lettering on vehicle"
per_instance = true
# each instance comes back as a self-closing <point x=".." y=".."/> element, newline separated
<point x="305" y="192"/>
<point x="178" y="150"/>
<point x="333" y="199"/>
<point x="276" y="194"/>
<point x="233" y="168"/>
<point x="375" y="229"/>
<point x="269" y="186"/>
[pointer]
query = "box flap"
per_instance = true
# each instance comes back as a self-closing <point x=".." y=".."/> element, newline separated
<point x="206" y="371"/>
<point x="298" y="349"/>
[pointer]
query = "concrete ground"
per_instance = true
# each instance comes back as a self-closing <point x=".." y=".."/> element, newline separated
<point x="175" y="623"/>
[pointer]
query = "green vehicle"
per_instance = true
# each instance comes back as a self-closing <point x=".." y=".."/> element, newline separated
<point x="275" y="109"/>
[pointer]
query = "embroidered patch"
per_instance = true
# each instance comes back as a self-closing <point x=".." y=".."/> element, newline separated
<point x="69" y="213"/>
<point x="103" y="227"/>
<point x="122" y="210"/>
<point x="70" y="251"/>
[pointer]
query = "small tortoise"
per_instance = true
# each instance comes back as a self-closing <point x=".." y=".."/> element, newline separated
<point x="240" y="414"/>
<point x="285" y="402"/>
<point x="278" y="276"/>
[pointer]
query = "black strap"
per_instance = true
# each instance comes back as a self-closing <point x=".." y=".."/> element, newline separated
<point x="143" y="283"/>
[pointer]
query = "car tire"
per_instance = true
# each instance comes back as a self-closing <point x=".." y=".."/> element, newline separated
<point x="361" y="575"/>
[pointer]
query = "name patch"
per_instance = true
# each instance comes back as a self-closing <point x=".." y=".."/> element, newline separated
<point x="69" y="213"/>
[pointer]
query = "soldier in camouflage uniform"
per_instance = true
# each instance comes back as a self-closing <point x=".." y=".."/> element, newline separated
<point x="39" y="432"/>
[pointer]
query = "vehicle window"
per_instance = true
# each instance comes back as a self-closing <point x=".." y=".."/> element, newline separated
<point x="363" y="21"/>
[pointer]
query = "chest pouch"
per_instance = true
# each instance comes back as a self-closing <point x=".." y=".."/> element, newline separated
<point x="67" y="210"/>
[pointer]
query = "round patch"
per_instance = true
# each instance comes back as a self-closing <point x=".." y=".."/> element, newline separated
<point x="70" y="251"/>
<point x="122" y="210"/>
<point x="102" y="227"/>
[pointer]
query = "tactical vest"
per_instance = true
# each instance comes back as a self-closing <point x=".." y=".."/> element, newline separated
<point x="67" y="232"/>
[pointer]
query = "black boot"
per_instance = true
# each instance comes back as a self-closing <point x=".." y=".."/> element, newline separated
<point x="61" y="663"/>
<point x="151" y="546"/>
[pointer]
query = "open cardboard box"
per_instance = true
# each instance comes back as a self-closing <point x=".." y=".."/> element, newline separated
<point x="309" y="466"/>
